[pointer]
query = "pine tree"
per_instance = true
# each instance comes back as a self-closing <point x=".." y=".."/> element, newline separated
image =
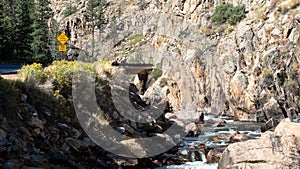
<point x="1" y="28"/>
<point x="53" y="34"/>
<point x="6" y="28"/>
<point x="23" y="28"/>
<point x="41" y="39"/>
<point x="101" y="21"/>
<point x="95" y="15"/>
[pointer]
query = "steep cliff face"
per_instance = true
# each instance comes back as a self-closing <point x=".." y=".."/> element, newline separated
<point x="249" y="71"/>
<point x="265" y="83"/>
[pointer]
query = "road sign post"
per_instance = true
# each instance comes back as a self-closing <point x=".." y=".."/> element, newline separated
<point x="62" y="48"/>
<point x="62" y="39"/>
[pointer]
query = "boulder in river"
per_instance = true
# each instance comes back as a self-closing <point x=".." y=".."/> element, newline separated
<point x="213" y="156"/>
<point x="278" y="149"/>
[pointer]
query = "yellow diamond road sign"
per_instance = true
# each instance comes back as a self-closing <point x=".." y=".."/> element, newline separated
<point x="62" y="48"/>
<point x="62" y="38"/>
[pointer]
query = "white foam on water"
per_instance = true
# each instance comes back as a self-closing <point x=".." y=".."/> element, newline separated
<point x="229" y="121"/>
<point x="207" y="117"/>
<point x="192" y="165"/>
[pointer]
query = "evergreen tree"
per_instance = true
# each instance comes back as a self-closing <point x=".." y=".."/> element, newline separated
<point x="25" y="33"/>
<point x="41" y="39"/>
<point x="101" y="21"/>
<point x="23" y="28"/>
<point x="6" y="28"/>
<point x="95" y="15"/>
<point x="1" y="29"/>
<point x="53" y="34"/>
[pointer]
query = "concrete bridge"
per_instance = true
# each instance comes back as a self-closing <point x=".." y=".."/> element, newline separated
<point x="136" y="68"/>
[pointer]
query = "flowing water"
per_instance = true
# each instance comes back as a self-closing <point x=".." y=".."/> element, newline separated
<point x="208" y="138"/>
<point x="192" y="165"/>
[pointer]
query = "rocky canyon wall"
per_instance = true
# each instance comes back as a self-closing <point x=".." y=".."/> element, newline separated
<point x="249" y="71"/>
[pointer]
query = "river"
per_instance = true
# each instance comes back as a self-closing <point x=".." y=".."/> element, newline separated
<point x="208" y="138"/>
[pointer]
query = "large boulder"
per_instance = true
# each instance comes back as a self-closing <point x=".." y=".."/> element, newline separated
<point x="276" y="150"/>
<point x="240" y="101"/>
<point x="272" y="110"/>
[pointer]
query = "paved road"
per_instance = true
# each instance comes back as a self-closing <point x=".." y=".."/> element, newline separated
<point x="9" y="68"/>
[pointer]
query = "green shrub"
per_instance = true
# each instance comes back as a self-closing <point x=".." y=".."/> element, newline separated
<point x="70" y="10"/>
<point x="266" y="72"/>
<point x="33" y="73"/>
<point x="228" y="91"/>
<point x="61" y="73"/>
<point x="183" y="33"/>
<point x="228" y="13"/>
<point x="156" y="73"/>
<point x="291" y="86"/>
<point x="219" y="15"/>
<point x="134" y="39"/>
